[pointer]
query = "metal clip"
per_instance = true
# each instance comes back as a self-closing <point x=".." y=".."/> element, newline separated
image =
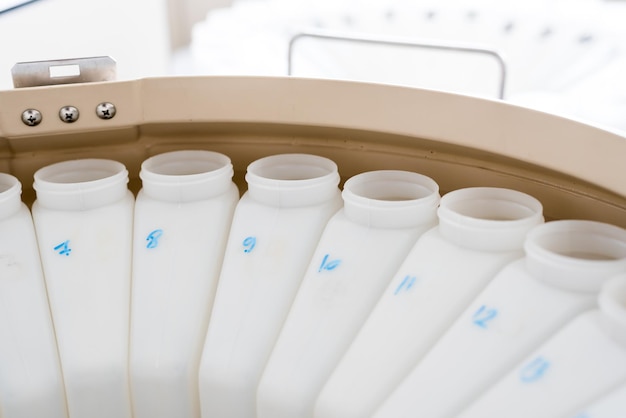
<point x="66" y="71"/>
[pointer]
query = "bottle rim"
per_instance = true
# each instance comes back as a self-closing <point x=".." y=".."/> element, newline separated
<point x="186" y="175"/>
<point x="576" y="254"/>
<point x="292" y="180"/>
<point x="10" y="195"/>
<point x="488" y="218"/>
<point x="391" y="199"/>
<point x="80" y="184"/>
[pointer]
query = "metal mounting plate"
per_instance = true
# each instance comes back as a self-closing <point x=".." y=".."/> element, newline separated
<point x="65" y="71"/>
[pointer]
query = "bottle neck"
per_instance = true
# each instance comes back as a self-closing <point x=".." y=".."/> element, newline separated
<point x="292" y="180"/>
<point x="488" y="219"/>
<point x="186" y="176"/>
<point x="81" y="184"/>
<point x="576" y="255"/>
<point x="391" y="199"/>
<point x="612" y="303"/>
<point x="10" y="195"/>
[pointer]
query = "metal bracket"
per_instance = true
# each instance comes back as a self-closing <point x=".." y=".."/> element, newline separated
<point x="423" y="44"/>
<point x="66" y="71"/>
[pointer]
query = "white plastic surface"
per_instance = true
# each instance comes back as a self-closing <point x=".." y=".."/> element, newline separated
<point x="83" y="219"/>
<point x="584" y="360"/>
<point x="480" y="230"/>
<point x="361" y="248"/>
<point x="31" y="384"/>
<point x="182" y="218"/>
<point x="611" y="405"/>
<point x="275" y="229"/>
<point x="523" y="305"/>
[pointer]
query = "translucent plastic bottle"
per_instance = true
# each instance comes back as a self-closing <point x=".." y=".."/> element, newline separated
<point x="480" y="231"/>
<point x="31" y="384"/>
<point x="566" y="264"/>
<point x="362" y="247"/>
<point x="275" y="229"/>
<point x="182" y="218"/>
<point x="610" y="405"/>
<point x="83" y="218"/>
<point x="584" y="360"/>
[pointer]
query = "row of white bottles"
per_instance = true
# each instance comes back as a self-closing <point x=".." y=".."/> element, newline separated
<point x="565" y="266"/>
<point x="31" y="384"/>
<point x="296" y="300"/>
<point x="584" y="360"/>
<point x="84" y="216"/>
<point x="361" y="247"/>
<point x="480" y="231"/>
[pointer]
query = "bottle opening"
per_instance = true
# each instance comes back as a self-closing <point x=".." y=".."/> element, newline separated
<point x="392" y="191"/>
<point x="391" y="199"/>
<point x="583" y="244"/>
<point x="291" y="167"/>
<point x="390" y="186"/>
<point x="185" y="163"/>
<point x="292" y="180"/>
<point x="493" y="209"/>
<point x="186" y="176"/>
<point x="488" y="218"/>
<point x="78" y="171"/>
<point x="83" y="175"/>
<point x="576" y="254"/>
<point x="7" y="182"/>
<point x="81" y="184"/>
<point x="10" y="191"/>
<point x="291" y="172"/>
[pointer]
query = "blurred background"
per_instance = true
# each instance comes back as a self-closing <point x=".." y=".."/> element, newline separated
<point x="566" y="57"/>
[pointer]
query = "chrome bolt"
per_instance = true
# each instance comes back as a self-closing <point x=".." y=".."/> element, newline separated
<point x="68" y="114"/>
<point x="31" y="117"/>
<point x="105" y="110"/>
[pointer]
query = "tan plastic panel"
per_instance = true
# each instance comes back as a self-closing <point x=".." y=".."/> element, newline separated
<point x="576" y="170"/>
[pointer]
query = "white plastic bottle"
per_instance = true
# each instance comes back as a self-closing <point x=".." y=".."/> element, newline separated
<point x="31" y="384"/>
<point x="362" y="246"/>
<point x="480" y="231"/>
<point x="275" y="229"/>
<point x="182" y="217"/>
<point x="584" y="360"/>
<point x="565" y="265"/>
<point x="610" y="405"/>
<point x="83" y="219"/>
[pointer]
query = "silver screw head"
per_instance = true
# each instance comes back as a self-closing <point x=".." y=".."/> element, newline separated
<point x="69" y="114"/>
<point x="31" y="117"/>
<point x="105" y="110"/>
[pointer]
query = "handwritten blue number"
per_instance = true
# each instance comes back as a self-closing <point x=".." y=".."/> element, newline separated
<point x="248" y="244"/>
<point x="153" y="238"/>
<point x="406" y="284"/>
<point x="328" y="265"/>
<point x="534" y="370"/>
<point x="63" y="248"/>
<point x="484" y="315"/>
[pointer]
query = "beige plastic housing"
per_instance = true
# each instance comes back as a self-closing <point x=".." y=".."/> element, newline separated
<point x="575" y="170"/>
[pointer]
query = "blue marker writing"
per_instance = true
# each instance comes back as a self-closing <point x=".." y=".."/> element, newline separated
<point x="153" y="238"/>
<point x="328" y="265"/>
<point x="534" y="370"/>
<point x="248" y="244"/>
<point x="63" y="248"/>
<point x="483" y="315"/>
<point x="406" y="284"/>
